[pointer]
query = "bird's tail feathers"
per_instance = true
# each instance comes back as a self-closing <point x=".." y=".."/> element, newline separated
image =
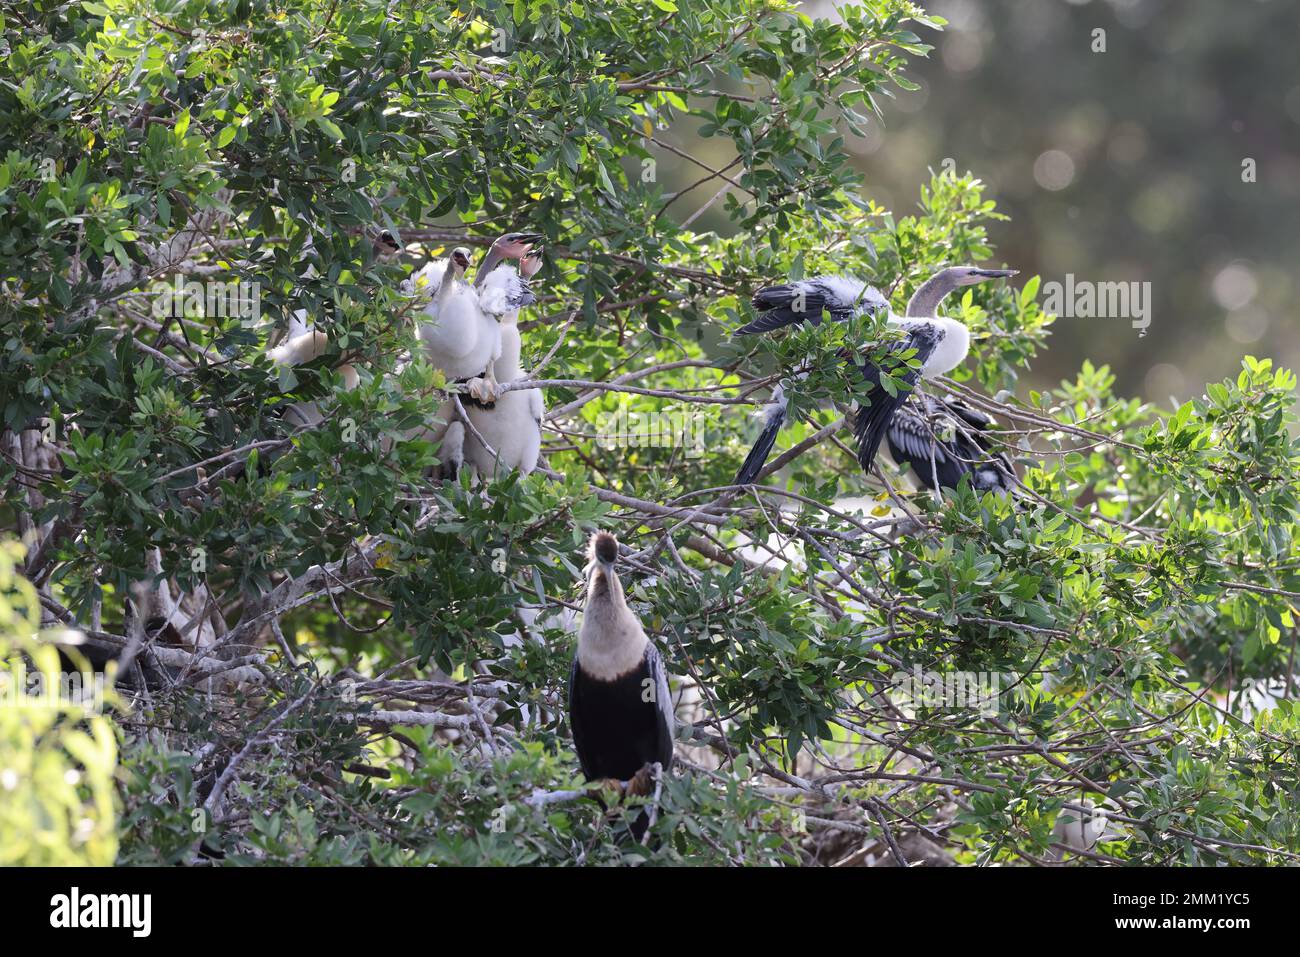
<point x="869" y="427"/>
<point x="757" y="456"/>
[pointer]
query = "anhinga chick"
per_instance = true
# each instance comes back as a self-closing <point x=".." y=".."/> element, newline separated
<point x="620" y="708"/>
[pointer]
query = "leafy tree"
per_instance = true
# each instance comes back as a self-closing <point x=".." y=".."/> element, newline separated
<point x="58" y="751"/>
<point x="335" y="659"/>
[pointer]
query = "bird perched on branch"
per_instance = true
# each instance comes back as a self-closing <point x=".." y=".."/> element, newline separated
<point x="458" y="336"/>
<point x="942" y="440"/>
<point x="512" y="425"/>
<point x="620" y="708"/>
<point x="940" y="344"/>
<point x="937" y="344"/>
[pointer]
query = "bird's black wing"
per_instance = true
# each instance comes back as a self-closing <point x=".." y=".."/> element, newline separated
<point x="992" y="471"/>
<point x="575" y="721"/>
<point x="910" y="434"/>
<point x="973" y="417"/>
<point x="873" y="418"/>
<point x="917" y="437"/>
<point x="664" y="719"/>
<point x="944" y="440"/>
<point x="786" y="304"/>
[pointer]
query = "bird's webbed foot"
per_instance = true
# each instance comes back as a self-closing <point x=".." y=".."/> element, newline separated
<point x="642" y="784"/>
<point x="485" y="388"/>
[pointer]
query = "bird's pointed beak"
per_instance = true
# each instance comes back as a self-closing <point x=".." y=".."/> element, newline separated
<point x="996" y="273"/>
<point x="517" y="245"/>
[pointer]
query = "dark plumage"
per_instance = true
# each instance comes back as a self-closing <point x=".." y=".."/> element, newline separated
<point x="807" y="299"/>
<point x="773" y="419"/>
<point x="620" y="707"/>
<point x="873" y="419"/>
<point x="950" y="435"/>
<point x="628" y="732"/>
<point x="604" y="547"/>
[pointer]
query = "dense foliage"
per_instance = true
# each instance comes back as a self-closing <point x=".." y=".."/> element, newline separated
<point x="323" y="645"/>
<point x="58" y="752"/>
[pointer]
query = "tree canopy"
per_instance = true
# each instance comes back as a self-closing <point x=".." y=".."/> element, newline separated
<point x="324" y="655"/>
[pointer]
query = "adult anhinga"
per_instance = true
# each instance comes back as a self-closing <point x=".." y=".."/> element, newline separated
<point x="512" y="425"/>
<point x="620" y="708"/>
<point x="940" y="345"/>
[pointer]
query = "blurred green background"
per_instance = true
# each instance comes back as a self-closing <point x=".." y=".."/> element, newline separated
<point x="1123" y="165"/>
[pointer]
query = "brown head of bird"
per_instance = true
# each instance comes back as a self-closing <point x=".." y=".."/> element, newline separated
<point x="602" y="552"/>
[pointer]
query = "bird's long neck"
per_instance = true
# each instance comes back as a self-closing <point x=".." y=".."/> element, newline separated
<point x="925" y="301"/>
<point x="447" y="284"/>
<point x="611" y="641"/>
<point x="489" y="263"/>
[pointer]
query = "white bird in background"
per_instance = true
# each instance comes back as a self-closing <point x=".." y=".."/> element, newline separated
<point x="303" y="344"/>
<point x="512" y="425"/>
<point x="448" y="320"/>
<point x="460" y="337"/>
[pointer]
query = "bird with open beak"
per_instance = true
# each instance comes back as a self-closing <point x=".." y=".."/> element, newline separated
<point x="620" y="708"/>
<point x="507" y="246"/>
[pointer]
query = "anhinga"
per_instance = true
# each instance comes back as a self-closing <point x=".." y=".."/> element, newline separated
<point x="940" y="345"/>
<point x="458" y="336"/>
<point x="507" y="246"/>
<point x="512" y="425"/>
<point x="945" y="440"/>
<point x="620" y="708"/>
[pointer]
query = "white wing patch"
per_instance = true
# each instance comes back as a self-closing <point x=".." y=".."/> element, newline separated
<point x="504" y="291"/>
<point x="841" y="291"/>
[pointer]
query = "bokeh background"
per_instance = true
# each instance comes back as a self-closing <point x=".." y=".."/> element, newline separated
<point x="1125" y="165"/>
